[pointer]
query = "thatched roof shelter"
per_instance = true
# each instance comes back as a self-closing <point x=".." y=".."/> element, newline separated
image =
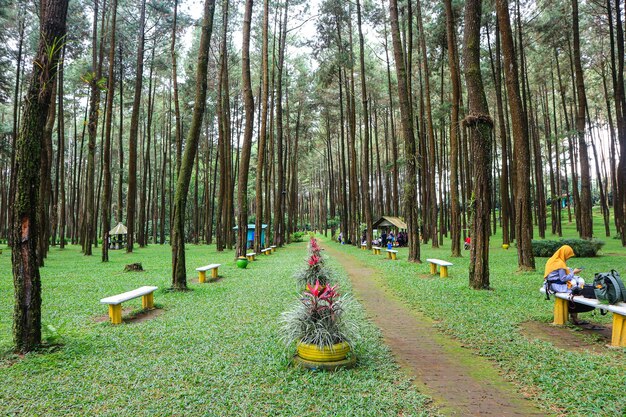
<point x="389" y="221"/>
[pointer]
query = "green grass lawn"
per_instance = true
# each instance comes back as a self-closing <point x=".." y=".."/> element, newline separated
<point x="213" y="351"/>
<point x="579" y="384"/>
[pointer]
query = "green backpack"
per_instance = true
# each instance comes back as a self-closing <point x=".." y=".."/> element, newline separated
<point x="609" y="287"/>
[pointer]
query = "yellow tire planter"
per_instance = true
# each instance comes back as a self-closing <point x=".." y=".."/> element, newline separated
<point x="314" y="353"/>
<point x="329" y="359"/>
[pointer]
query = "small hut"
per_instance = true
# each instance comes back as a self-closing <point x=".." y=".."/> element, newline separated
<point x="251" y="231"/>
<point x="389" y="222"/>
<point x="117" y="236"/>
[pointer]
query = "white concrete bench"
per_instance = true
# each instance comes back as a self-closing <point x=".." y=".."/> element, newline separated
<point x="202" y="272"/>
<point x="443" y="270"/>
<point x="251" y="256"/>
<point x="115" y="301"/>
<point x="392" y="254"/>
<point x="273" y="248"/>
<point x="363" y="246"/>
<point x="376" y="250"/>
<point x="618" y="337"/>
<point x="267" y="251"/>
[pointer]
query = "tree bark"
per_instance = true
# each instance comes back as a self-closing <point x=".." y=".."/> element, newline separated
<point x="262" y="132"/>
<point x="586" y="221"/>
<point x="479" y="124"/>
<point x="455" y="209"/>
<point x="409" y="199"/>
<point x="106" y="199"/>
<point x="242" y="184"/>
<point x="26" y="278"/>
<point x="523" y="223"/>
<point x="131" y="196"/>
<point x="179" y="278"/>
<point x="365" y="172"/>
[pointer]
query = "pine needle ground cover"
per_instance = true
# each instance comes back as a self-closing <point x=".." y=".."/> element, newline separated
<point x="573" y="383"/>
<point x="212" y="351"/>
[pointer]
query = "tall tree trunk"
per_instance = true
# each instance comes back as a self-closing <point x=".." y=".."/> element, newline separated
<point x="242" y="184"/>
<point x="586" y="229"/>
<point x="131" y="196"/>
<point x="279" y="203"/>
<point x="141" y="224"/>
<point x="61" y="162"/>
<point x="177" y="124"/>
<point x="108" y="124"/>
<point x="44" y="182"/>
<point x="479" y="124"/>
<point x="26" y="278"/>
<point x="365" y="173"/>
<point x="92" y="127"/>
<point x="620" y="114"/>
<point x="120" y="143"/>
<point x="523" y="224"/>
<point x="455" y="209"/>
<point x="179" y="278"/>
<point x="262" y="132"/>
<point x="431" y="133"/>
<point x="16" y="107"/>
<point x="410" y="206"/>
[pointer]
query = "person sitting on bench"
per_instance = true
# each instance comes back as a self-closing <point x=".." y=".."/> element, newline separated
<point x="560" y="278"/>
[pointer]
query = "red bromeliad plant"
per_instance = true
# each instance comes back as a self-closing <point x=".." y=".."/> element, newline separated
<point x="314" y="260"/>
<point x="315" y="270"/>
<point x="319" y="318"/>
<point x="314" y="247"/>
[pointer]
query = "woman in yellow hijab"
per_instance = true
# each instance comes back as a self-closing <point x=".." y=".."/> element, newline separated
<point x="560" y="278"/>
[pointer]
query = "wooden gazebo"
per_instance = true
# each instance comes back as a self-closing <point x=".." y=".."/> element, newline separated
<point x="117" y="236"/>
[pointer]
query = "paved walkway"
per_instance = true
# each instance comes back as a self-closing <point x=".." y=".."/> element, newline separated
<point x="461" y="382"/>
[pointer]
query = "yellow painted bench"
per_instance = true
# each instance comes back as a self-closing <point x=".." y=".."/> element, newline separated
<point x="392" y="254"/>
<point x="376" y="250"/>
<point x="561" y="310"/>
<point x="273" y="248"/>
<point x="267" y="251"/>
<point x="443" y="270"/>
<point x="115" y="302"/>
<point x="251" y="256"/>
<point x="202" y="272"/>
<point x="363" y="246"/>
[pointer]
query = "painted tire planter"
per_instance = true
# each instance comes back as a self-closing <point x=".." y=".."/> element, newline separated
<point x="242" y="262"/>
<point x="505" y="246"/>
<point x="313" y="353"/>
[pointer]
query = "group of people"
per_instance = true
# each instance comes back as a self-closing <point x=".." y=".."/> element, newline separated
<point x="390" y="239"/>
<point x="384" y="239"/>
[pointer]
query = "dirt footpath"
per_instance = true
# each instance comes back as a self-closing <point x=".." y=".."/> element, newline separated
<point x="461" y="382"/>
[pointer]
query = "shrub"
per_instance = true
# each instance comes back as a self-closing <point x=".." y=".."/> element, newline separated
<point x="297" y="237"/>
<point x="582" y="248"/>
